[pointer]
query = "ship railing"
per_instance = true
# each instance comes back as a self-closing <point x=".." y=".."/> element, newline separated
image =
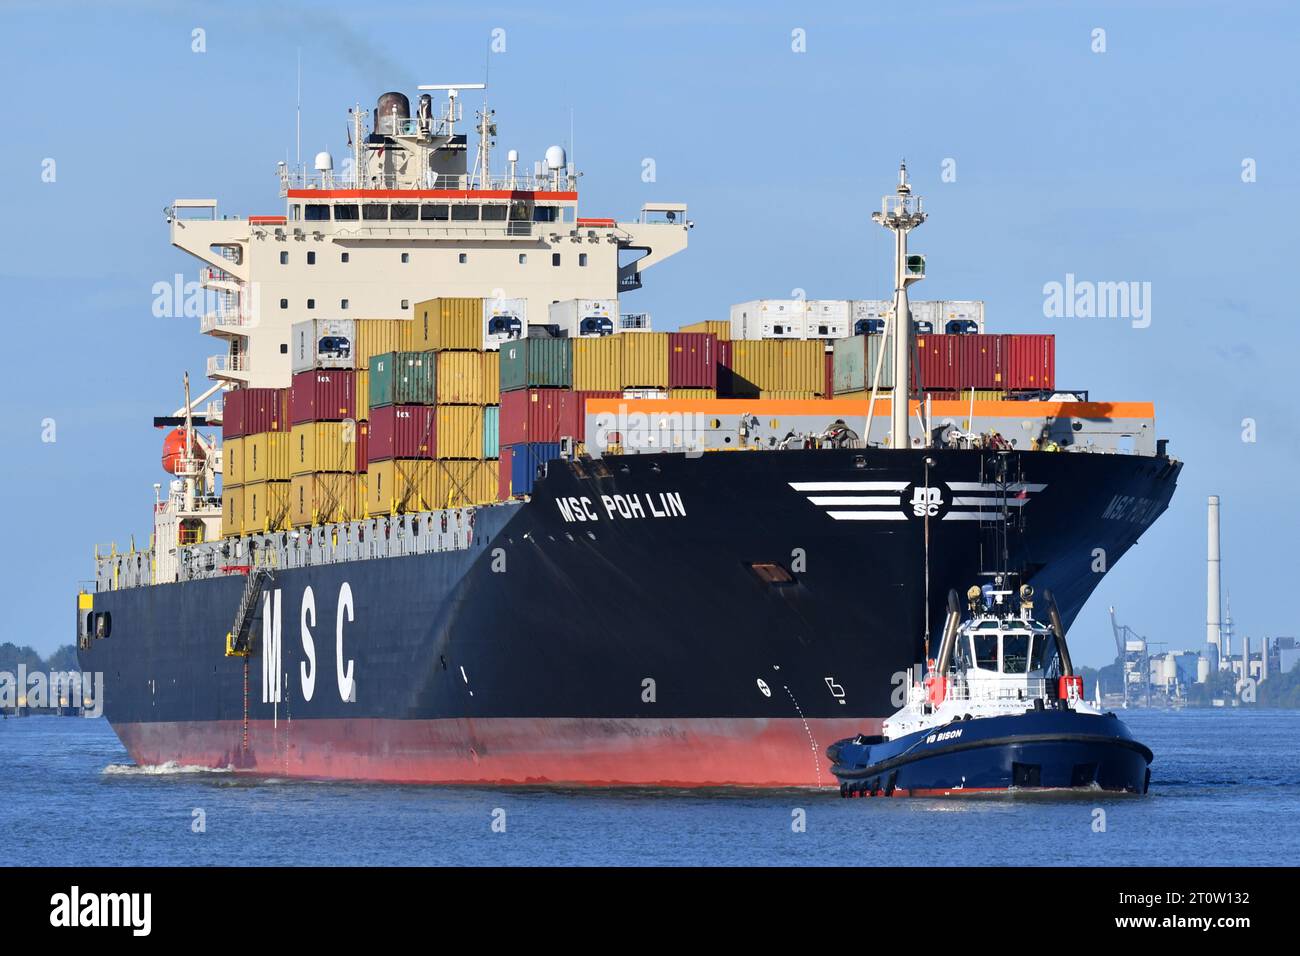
<point x="218" y="364"/>
<point x="458" y="181"/>
<point x="1007" y="689"/>
<point x="224" y="320"/>
<point x="211" y="274"/>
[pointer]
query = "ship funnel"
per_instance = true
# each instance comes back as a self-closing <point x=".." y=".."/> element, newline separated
<point x="391" y="113"/>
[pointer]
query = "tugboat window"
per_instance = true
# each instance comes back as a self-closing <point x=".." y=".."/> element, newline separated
<point x="1015" y="653"/>
<point x="986" y="651"/>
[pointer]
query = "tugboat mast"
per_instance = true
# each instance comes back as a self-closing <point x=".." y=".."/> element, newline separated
<point x="901" y="213"/>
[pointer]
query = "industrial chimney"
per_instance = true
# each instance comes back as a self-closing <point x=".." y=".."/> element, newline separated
<point x="1212" y="604"/>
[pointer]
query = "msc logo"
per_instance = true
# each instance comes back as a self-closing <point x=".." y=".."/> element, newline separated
<point x="926" y="501"/>
<point x="273" y="673"/>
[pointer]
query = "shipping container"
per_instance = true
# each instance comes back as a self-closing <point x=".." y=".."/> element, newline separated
<point x="537" y="363"/>
<point x="688" y="394"/>
<point x="402" y="431"/>
<point x="645" y="360"/>
<point x="936" y="363"/>
<point x="323" y="446"/>
<point x="362" y="394"/>
<point x="579" y="318"/>
<point x="402" y="378"/>
<point x="323" y="396"/>
<point x="979" y="394"/>
<point x="776" y="365"/>
<point x="692" y="360"/>
<point x="267" y="456"/>
<point x="232" y="510"/>
<point x="788" y="396"/>
<point x="459" y="378"/>
<point x="248" y="410"/>
<point x="503" y="320"/>
<point x="979" y="360"/>
<point x="377" y="336"/>
<point x="827" y="318"/>
<point x="232" y="461"/>
<point x="323" y="498"/>
<point x="1028" y="362"/>
<point x="503" y="474"/>
<point x="491" y="431"/>
<point x="927" y="317"/>
<point x="491" y="363"/>
<point x="460" y="484"/>
<point x="323" y="344"/>
<point x="963" y="317"/>
<point x="531" y="415"/>
<point x="573" y="414"/>
<point x="598" y="363"/>
<point x="726" y="377"/>
<point x="459" y="432"/>
<point x="362" y="446"/>
<point x="266" y="507"/>
<point x="398" y="486"/>
<point x="855" y="361"/>
<point x="828" y="379"/>
<point x="716" y="327"/>
<point x="869" y="316"/>
<point x="642" y="394"/>
<point x="445" y="323"/>
<point x="526" y="460"/>
<point x="768" y="319"/>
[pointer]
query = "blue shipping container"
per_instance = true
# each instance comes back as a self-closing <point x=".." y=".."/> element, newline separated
<point x="492" y="431"/>
<point x="524" y="461"/>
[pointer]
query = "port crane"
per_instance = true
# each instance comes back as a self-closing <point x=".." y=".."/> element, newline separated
<point x="1133" y="651"/>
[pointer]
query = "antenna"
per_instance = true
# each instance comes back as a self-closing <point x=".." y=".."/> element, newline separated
<point x="298" y="117"/>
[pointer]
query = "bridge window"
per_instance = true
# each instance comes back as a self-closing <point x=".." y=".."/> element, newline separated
<point x="374" y="211"/>
<point x="495" y="213"/>
<point x="317" y="212"/>
<point x="546" y="213"/>
<point x="436" y="212"/>
<point x="405" y="211"/>
<point x="345" y="212"/>
<point x="1015" y="653"/>
<point x="521" y="212"/>
<point x="986" y="651"/>
<point x="1039" y="651"/>
<point x="464" y="213"/>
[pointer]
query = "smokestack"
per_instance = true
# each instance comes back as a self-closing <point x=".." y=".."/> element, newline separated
<point x="1213" y="622"/>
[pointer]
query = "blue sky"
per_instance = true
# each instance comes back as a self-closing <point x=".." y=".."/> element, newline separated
<point x="1117" y="166"/>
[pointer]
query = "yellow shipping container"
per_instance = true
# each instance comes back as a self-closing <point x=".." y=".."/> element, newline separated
<point x="778" y="396"/>
<point x="232" y="510"/>
<point x="323" y="446"/>
<point x="363" y="395"/>
<point x="598" y="363"/>
<point x="232" y="461"/>
<point x="645" y="359"/>
<point x="719" y="327"/>
<point x="458" y="484"/>
<point x="981" y="395"/>
<point x="322" y="498"/>
<point x="376" y="336"/>
<point x="778" y="365"/>
<point x="445" y="323"/>
<point x="266" y="457"/>
<point x="266" y="504"/>
<point x="689" y="393"/>
<point x="458" y="378"/>
<point x="459" y="431"/>
<point x="491" y="377"/>
<point x="397" y="486"/>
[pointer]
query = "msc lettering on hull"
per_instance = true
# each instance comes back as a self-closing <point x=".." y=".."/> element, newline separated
<point x="273" y="647"/>
<point x="661" y="504"/>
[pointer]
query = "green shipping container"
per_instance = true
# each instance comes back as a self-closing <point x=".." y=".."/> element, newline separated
<point x="536" y="363"/>
<point x="401" y="378"/>
<point x="855" y="364"/>
<point x="492" y="431"/>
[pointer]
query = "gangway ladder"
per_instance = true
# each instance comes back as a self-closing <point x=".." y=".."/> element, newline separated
<point x="237" y="641"/>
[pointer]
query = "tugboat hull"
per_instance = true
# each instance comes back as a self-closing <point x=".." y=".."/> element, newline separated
<point x="1037" y="750"/>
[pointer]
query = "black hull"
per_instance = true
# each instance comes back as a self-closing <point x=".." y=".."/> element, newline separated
<point x="574" y="642"/>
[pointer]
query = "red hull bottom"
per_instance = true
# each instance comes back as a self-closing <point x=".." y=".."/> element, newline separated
<point x="685" y="752"/>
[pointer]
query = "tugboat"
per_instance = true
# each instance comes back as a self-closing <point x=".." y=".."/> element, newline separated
<point x="1000" y="711"/>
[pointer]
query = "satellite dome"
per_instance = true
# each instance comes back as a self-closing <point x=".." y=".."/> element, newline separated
<point x="324" y="162"/>
<point x="555" y="157"/>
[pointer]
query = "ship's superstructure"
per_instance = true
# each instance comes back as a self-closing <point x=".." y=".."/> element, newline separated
<point x="612" y="556"/>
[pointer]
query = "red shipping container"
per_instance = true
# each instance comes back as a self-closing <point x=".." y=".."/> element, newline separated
<point x="692" y="360"/>
<point x="324" y="395"/>
<point x="935" y="363"/>
<point x="979" y="361"/>
<point x="1029" y="362"/>
<point x="402" y="431"/>
<point x="530" y="415"/>
<point x="363" y="445"/>
<point x="573" y="412"/>
<point x="828" y="380"/>
<point x="503" y="473"/>
<point x="248" y="411"/>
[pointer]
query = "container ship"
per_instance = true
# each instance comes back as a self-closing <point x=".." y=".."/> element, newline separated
<point x="448" y="514"/>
